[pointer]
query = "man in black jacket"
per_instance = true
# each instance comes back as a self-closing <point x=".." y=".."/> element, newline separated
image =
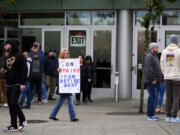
<point x="15" y="71"/>
<point x="50" y="65"/>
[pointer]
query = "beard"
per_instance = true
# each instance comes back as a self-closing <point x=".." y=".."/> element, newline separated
<point x="8" y="50"/>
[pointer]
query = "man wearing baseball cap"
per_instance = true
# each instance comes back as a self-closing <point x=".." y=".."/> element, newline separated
<point x="153" y="75"/>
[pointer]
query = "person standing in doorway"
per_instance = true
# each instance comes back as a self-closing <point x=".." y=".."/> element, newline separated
<point x="3" y="84"/>
<point x="36" y="76"/>
<point x="90" y="69"/>
<point x="50" y="64"/>
<point x="170" y="65"/>
<point x="15" y="70"/>
<point x="27" y="91"/>
<point x="153" y="75"/>
<point x="64" y="54"/>
<point x="84" y="81"/>
<point x="36" y="48"/>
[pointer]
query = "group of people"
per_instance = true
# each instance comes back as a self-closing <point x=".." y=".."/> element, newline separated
<point x="32" y="72"/>
<point x="159" y="72"/>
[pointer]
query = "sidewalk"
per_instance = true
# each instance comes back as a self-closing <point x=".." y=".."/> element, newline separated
<point x="103" y="117"/>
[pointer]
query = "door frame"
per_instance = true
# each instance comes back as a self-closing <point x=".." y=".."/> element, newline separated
<point x="160" y="41"/>
<point x="52" y="29"/>
<point x="113" y="55"/>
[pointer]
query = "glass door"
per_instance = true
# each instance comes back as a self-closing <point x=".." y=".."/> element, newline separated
<point x="138" y="52"/>
<point x="52" y="38"/>
<point x="103" y="53"/>
<point x="78" y="41"/>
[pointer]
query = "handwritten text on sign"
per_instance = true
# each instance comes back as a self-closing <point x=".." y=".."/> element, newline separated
<point x="69" y="76"/>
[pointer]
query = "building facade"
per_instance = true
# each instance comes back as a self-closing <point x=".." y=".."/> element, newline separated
<point x="108" y="30"/>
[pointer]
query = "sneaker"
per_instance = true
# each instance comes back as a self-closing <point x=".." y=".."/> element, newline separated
<point x="5" y="105"/>
<point x="22" y="125"/>
<point x="75" y="120"/>
<point x="45" y="101"/>
<point x="10" y="129"/>
<point x="27" y="107"/>
<point x="153" y="118"/>
<point x="168" y="119"/>
<point x="54" y="118"/>
<point x="175" y="119"/>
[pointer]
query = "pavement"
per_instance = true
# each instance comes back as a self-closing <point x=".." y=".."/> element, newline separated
<point x="103" y="117"/>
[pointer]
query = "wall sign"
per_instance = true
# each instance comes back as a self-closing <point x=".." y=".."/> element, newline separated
<point x="77" y="41"/>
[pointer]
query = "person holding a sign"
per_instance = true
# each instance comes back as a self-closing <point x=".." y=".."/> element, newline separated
<point x="64" y="54"/>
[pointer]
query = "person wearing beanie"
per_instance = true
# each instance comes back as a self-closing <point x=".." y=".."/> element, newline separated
<point x="153" y="77"/>
<point x="50" y="64"/>
<point x="170" y="65"/>
<point x="15" y="70"/>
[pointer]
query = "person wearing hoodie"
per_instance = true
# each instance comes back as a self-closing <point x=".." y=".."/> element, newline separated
<point x="153" y="76"/>
<point x="170" y="65"/>
<point x="15" y="70"/>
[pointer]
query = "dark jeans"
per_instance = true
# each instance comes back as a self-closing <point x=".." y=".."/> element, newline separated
<point x="172" y="92"/>
<point x="25" y="93"/>
<point x="89" y="88"/>
<point x="152" y="99"/>
<point x="37" y="83"/>
<point x="15" y="111"/>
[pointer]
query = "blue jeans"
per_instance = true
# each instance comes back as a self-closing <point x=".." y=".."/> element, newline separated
<point x="160" y="94"/>
<point x="152" y="99"/>
<point x="44" y="93"/>
<point x="55" y="110"/>
<point x="23" y="95"/>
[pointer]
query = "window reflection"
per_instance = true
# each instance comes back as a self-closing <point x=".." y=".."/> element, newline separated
<point x="139" y="15"/>
<point x="78" y="18"/>
<point x="103" y="18"/>
<point x="171" y="18"/>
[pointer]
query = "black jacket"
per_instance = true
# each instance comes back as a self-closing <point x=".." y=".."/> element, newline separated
<point x="16" y="67"/>
<point x="50" y="65"/>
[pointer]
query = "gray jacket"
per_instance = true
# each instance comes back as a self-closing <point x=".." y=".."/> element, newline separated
<point x="152" y="70"/>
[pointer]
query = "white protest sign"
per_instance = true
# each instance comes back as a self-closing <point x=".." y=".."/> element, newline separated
<point x="69" y="76"/>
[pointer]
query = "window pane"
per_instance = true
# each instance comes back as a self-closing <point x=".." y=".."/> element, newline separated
<point x="171" y="18"/>
<point x="103" y="18"/>
<point x="139" y="15"/>
<point x="29" y="36"/>
<point x="169" y="33"/>
<point x="49" y="43"/>
<point x="78" y="18"/>
<point x="77" y="43"/>
<point x="1" y="32"/>
<point x="42" y="19"/>
<point x="10" y="19"/>
<point x="12" y="33"/>
<point x="102" y="58"/>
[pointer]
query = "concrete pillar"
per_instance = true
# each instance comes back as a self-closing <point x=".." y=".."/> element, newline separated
<point x="124" y="52"/>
